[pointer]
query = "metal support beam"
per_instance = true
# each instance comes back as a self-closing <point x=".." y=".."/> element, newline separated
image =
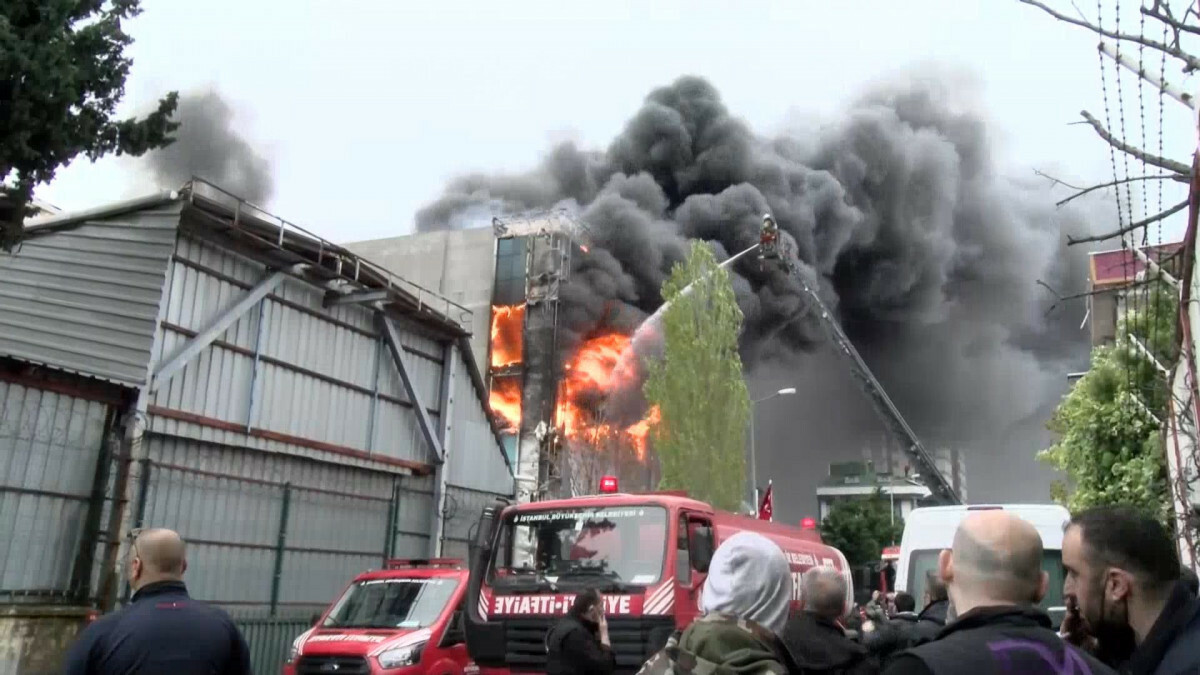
<point x="260" y="335"/>
<point x="280" y="547"/>
<point x="392" y="339"/>
<point x="389" y="539"/>
<point x="445" y="429"/>
<point x="374" y="412"/>
<point x="214" y="329"/>
<point x="334" y="298"/>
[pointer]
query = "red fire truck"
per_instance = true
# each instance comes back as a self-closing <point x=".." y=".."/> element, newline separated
<point x="647" y="553"/>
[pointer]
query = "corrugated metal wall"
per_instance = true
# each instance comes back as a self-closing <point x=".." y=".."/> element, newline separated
<point x="229" y="504"/>
<point x="86" y="299"/>
<point x="321" y="373"/>
<point x="50" y="444"/>
<point x="476" y="462"/>
<point x="323" y="502"/>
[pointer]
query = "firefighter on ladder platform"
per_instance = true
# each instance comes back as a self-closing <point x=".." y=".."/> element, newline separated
<point x="768" y="242"/>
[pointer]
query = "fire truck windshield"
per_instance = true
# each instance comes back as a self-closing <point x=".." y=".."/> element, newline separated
<point x="603" y="546"/>
<point x="392" y="603"/>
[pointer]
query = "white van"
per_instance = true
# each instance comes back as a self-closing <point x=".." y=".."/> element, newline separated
<point x="930" y="529"/>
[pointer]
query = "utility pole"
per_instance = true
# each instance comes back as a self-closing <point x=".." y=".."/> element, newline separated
<point x="787" y="391"/>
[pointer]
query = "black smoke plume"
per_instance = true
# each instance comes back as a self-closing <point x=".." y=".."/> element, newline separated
<point x="897" y="210"/>
<point x="207" y="146"/>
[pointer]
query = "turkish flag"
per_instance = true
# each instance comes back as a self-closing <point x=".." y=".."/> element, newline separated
<point x="766" y="509"/>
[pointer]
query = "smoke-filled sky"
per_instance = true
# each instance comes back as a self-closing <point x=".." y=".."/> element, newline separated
<point x="363" y="117"/>
<point x="898" y="213"/>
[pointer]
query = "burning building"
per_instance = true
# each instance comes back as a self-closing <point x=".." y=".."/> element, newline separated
<point x="548" y="391"/>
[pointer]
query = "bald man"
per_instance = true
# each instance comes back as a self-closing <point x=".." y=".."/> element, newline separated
<point x="994" y="578"/>
<point x="162" y="630"/>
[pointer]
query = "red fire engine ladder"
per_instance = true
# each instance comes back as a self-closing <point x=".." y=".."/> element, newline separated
<point x="942" y="490"/>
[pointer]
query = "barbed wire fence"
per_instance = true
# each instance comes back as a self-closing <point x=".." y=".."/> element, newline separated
<point x="1161" y="380"/>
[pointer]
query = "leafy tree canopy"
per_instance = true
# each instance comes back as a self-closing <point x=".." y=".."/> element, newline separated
<point x="698" y="384"/>
<point x="62" y="73"/>
<point x="1109" y="444"/>
<point x="861" y="528"/>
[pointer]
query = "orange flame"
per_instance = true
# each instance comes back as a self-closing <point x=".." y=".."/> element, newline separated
<point x="591" y="374"/>
<point x="508" y="326"/>
<point x="505" y="402"/>
<point x="640" y="433"/>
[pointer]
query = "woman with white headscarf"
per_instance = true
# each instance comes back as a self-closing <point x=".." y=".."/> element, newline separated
<point x="745" y="602"/>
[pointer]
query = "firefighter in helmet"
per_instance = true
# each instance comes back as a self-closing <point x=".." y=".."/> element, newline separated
<point x="768" y="243"/>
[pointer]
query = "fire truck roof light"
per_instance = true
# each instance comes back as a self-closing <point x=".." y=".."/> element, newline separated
<point x="608" y="485"/>
<point x="808" y="524"/>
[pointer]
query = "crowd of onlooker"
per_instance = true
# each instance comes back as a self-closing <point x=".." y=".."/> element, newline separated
<point x="1131" y="608"/>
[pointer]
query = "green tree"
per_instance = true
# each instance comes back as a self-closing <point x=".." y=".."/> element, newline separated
<point x="861" y="528"/>
<point x="1109" y="443"/>
<point x="698" y="384"/>
<point x="62" y="74"/>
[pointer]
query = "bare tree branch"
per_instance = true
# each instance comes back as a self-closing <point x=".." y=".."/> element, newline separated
<point x="1056" y="181"/>
<point x="1071" y="241"/>
<point x="1166" y="16"/>
<point x="1161" y="162"/>
<point x="1075" y="296"/>
<point x="1162" y="11"/>
<point x="1083" y="191"/>
<point x="1174" y="51"/>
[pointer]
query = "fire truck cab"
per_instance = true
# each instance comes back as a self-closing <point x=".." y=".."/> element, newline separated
<point x="648" y="554"/>
<point x="406" y="619"/>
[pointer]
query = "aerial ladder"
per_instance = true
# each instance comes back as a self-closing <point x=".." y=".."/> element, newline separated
<point x="772" y="251"/>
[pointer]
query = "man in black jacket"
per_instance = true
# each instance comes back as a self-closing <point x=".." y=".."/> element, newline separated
<point x="932" y="618"/>
<point x="578" y="644"/>
<point x="994" y="577"/>
<point x="1124" y="575"/>
<point x="162" y="630"/>
<point x="813" y="638"/>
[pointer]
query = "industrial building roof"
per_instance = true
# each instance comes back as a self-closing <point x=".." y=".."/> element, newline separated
<point x="1111" y="269"/>
<point x="82" y="292"/>
<point x="282" y="243"/>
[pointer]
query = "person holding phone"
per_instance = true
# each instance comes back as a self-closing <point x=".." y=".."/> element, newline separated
<point x="578" y="644"/>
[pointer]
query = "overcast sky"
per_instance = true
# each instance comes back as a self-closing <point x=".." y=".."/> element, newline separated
<point x="366" y="112"/>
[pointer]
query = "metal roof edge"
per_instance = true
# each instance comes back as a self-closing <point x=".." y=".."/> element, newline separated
<point x="69" y="219"/>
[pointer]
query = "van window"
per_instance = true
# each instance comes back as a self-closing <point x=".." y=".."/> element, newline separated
<point x="924" y="561"/>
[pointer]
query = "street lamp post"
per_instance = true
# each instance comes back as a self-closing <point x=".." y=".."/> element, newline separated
<point x="787" y="391"/>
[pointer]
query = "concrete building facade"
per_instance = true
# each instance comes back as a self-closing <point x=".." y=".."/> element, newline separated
<point x="509" y="276"/>
<point x="861" y="480"/>
<point x="186" y="360"/>
<point x="949" y="461"/>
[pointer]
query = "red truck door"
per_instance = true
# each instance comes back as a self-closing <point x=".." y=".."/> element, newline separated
<point x="451" y="657"/>
<point x="693" y="551"/>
